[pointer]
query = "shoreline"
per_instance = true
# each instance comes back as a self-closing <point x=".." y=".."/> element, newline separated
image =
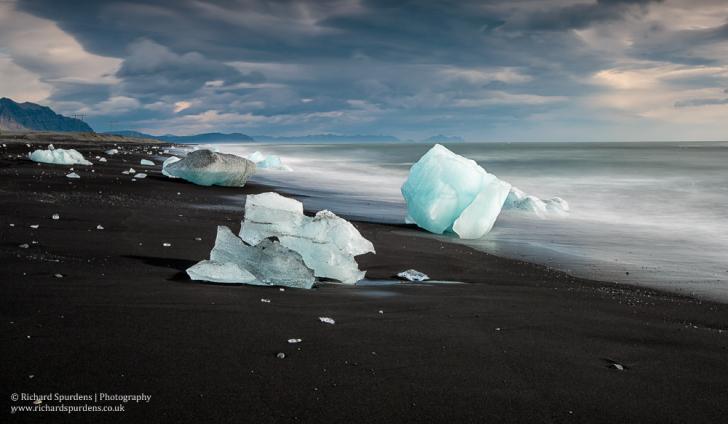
<point x="520" y="342"/>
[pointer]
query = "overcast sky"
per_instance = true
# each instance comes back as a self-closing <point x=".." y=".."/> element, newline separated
<point x="484" y="70"/>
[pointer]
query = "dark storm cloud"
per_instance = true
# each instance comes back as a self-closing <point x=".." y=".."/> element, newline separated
<point x="151" y="69"/>
<point x="578" y="16"/>
<point x="346" y="65"/>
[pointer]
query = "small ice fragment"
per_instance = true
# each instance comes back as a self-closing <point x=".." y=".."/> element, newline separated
<point x="24" y="246"/>
<point x="125" y="172"/>
<point x="166" y="244"/>
<point x="198" y="238"/>
<point x="327" y="320"/>
<point x="413" y="275"/>
<point x="12" y="225"/>
<point x="520" y="201"/>
<point x="265" y="300"/>
<point x="112" y="152"/>
<point x="58" y="275"/>
<point x="271" y="162"/>
<point x="381" y="311"/>
<point x="35" y="226"/>
<point x="281" y="355"/>
<point x="59" y="157"/>
<point x="73" y="175"/>
<point x="99" y="227"/>
<point x="281" y="289"/>
<point x="616" y="366"/>
<point x="55" y="217"/>
<point x="140" y="175"/>
<point x="293" y="341"/>
<point x="102" y="159"/>
<point x="146" y="162"/>
<point x="51" y="147"/>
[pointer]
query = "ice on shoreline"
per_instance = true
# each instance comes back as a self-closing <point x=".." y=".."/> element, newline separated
<point x="170" y="160"/>
<point x="271" y="162"/>
<point x="520" y="201"/>
<point x="327" y="243"/>
<point x="207" y="168"/>
<point x="266" y="264"/>
<point x="58" y="157"/>
<point x="448" y="192"/>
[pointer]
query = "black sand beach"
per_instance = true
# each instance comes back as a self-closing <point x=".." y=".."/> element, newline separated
<point x="516" y="343"/>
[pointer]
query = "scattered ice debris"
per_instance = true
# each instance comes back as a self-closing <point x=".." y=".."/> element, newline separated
<point x="206" y="168"/>
<point x="327" y="320"/>
<point x="294" y="341"/>
<point x="132" y="171"/>
<point x="271" y="162"/>
<point x="281" y="355"/>
<point x="520" y="201"/>
<point x="34" y="226"/>
<point x="265" y="300"/>
<point x="268" y="263"/>
<point x="59" y="157"/>
<point x="140" y="175"/>
<point x="125" y="172"/>
<point x="55" y="217"/>
<point x="99" y="227"/>
<point x="146" y="162"/>
<point x="170" y="160"/>
<point x="413" y="275"/>
<point x="167" y="244"/>
<point x="73" y="175"/>
<point x="102" y="159"/>
<point x="112" y="152"/>
<point x="24" y="246"/>
<point x="445" y="191"/>
<point x="327" y="243"/>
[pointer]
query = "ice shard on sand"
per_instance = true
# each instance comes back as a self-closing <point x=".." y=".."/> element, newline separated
<point x="206" y="168"/>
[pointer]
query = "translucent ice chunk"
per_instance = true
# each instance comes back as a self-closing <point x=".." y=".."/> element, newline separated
<point x="59" y="157"/>
<point x="272" y="162"/>
<point x="520" y="201"/>
<point x="146" y="162"/>
<point x="73" y="175"/>
<point x="327" y="243"/>
<point x="206" y="168"/>
<point x="170" y="160"/>
<point x="445" y="191"/>
<point x="268" y="263"/>
<point x="413" y="275"/>
<point x="112" y="152"/>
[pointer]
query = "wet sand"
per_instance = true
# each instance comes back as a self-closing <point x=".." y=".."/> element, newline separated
<point x="517" y="343"/>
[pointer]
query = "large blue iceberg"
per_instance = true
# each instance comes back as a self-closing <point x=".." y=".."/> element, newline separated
<point x="447" y="192"/>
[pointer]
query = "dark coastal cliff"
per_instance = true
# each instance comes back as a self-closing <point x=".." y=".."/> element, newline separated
<point x="33" y="117"/>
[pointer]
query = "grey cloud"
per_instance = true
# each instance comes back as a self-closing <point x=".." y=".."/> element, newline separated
<point x="700" y="102"/>
<point x="152" y="69"/>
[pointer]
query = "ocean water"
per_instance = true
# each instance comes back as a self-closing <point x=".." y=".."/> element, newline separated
<point x="651" y="214"/>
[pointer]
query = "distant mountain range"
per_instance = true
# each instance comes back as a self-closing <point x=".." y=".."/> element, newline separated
<point x="443" y="139"/>
<point x="239" y="138"/>
<point x="189" y="139"/>
<point x="33" y="117"/>
<point x="362" y="138"/>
